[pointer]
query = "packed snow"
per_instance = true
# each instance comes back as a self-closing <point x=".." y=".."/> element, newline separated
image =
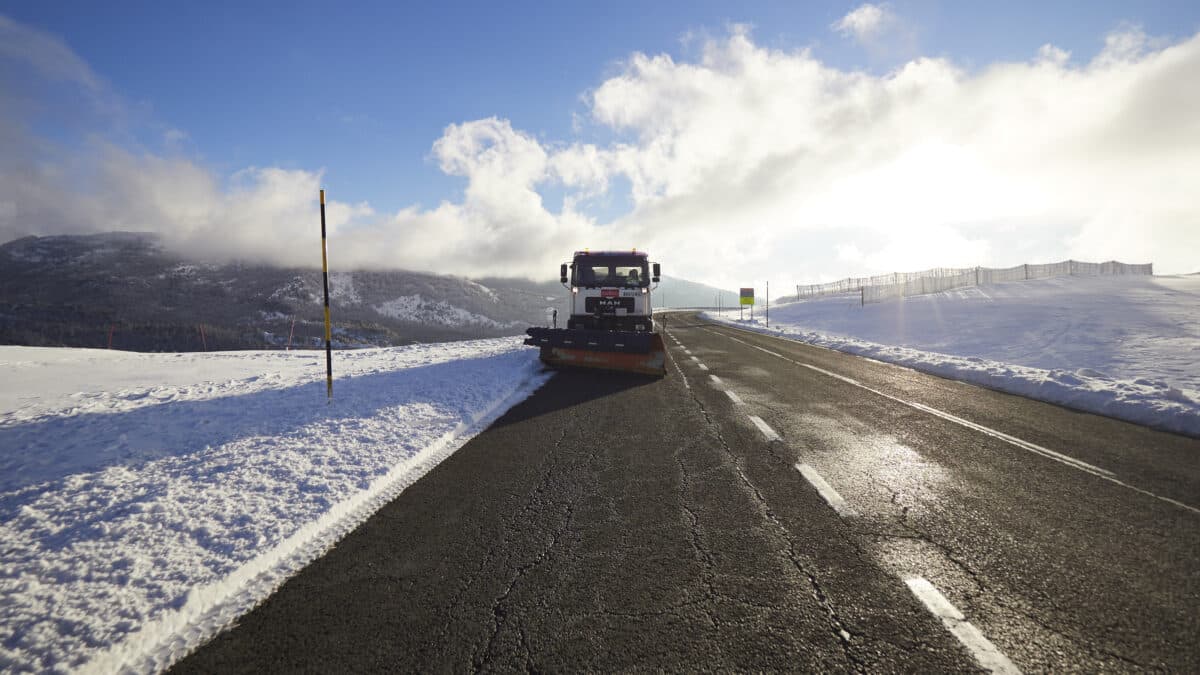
<point x="1126" y="347"/>
<point x="147" y="500"/>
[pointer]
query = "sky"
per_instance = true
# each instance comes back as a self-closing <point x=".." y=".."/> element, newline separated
<point x="737" y="143"/>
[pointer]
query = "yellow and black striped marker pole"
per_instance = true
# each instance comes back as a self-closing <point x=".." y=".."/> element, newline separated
<point x="328" y="336"/>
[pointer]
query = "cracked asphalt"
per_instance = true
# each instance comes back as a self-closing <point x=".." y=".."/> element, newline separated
<point x="611" y="522"/>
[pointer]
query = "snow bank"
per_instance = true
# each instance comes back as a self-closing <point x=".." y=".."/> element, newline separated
<point x="147" y="500"/>
<point x="1126" y="347"/>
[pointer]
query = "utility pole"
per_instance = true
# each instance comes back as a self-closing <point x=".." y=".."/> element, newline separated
<point x="768" y="304"/>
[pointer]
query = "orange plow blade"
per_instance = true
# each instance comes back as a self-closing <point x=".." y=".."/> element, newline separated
<point x="643" y="353"/>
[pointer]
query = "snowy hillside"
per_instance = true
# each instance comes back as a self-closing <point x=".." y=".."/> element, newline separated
<point x="126" y="290"/>
<point x="83" y="291"/>
<point x="1128" y="347"/>
<point x="146" y="500"/>
<point x="421" y="310"/>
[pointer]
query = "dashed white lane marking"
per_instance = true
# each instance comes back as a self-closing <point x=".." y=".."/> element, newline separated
<point x="980" y="647"/>
<point x="716" y="380"/>
<point x="703" y="367"/>
<point x="826" y="490"/>
<point x="766" y="430"/>
<point x="696" y="359"/>
<point x="687" y="351"/>
<point x="737" y="400"/>
<point x="1012" y="440"/>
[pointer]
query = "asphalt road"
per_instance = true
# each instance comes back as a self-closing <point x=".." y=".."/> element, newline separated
<point x="803" y="510"/>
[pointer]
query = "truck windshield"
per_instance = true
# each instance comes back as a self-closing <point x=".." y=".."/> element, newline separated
<point x="610" y="271"/>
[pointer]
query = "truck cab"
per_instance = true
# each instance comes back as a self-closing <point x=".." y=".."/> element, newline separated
<point x="610" y="290"/>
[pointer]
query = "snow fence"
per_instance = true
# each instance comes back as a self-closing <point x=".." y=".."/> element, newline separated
<point x="903" y="284"/>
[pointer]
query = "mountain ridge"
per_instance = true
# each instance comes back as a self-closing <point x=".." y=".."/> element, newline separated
<point x="126" y="289"/>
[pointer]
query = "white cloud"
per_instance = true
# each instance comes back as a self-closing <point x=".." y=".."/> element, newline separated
<point x="744" y="162"/>
<point x="885" y="36"/>
<point x="849" y="253"/>
<point x="46" y="53"/>
<point x="174" y="137"/>
<point x="865" y="23"/>
<point x="748" y="146"/>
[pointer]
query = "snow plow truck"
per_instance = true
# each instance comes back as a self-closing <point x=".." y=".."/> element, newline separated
<point x="611" y="326"/>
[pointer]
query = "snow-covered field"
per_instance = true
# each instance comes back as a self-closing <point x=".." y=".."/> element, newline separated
<point x="146" y="500"/>
<point x="1127" y="347"/>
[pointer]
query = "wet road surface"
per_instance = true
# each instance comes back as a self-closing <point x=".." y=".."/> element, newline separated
<point x="767" y="506"/>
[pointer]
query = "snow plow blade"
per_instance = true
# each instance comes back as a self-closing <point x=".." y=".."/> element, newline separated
<point x="643" y="353"/>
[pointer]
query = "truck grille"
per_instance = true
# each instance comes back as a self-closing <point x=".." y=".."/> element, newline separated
<point x="607" y="305"/>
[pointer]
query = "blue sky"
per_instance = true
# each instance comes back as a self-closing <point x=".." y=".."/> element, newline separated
<point x="363" y="92"/>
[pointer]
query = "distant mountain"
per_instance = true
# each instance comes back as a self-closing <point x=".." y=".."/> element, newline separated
<point x="681" y="293"/>
<point x="72" y="290"/>
<point x="76" y="290"/>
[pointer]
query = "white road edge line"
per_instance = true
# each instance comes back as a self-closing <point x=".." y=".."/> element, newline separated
<point x="680" y="370"/>
<point x="1011" y="440"/>
<point x="826" y="491"/>
<point x="980" y="647"/>
<point x="737" y="400"/>
<point x="766" y="430"/>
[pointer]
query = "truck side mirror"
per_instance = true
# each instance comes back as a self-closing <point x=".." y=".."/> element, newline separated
<point x="657" y="273"/>
<point x="562" y="273"/>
